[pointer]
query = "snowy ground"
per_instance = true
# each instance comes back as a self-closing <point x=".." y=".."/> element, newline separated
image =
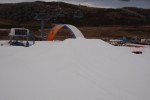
<point x="79" y="69"/>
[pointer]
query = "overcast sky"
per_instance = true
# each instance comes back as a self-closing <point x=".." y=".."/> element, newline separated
<point x="97" y="3"/>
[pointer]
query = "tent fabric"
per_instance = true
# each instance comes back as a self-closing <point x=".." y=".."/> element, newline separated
<point x="53" y="32"/>
<point x="72" y="28"/>
<point x="75" y="31"/>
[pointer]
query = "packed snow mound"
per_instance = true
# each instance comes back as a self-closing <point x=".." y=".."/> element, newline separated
<point x="75" y="69"/>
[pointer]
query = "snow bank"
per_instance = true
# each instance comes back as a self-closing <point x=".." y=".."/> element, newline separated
<point x="79" y="69"/>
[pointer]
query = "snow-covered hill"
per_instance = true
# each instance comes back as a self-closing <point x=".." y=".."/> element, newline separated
<point x="74" y="69"/>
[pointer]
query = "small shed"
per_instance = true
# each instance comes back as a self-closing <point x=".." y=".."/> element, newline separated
<point x="17" y="34"/>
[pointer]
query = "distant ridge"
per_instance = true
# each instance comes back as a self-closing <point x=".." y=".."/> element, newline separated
<point x="15" y="14"/>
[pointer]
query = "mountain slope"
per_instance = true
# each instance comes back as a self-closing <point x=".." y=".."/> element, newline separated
<point x="25" y="12"/>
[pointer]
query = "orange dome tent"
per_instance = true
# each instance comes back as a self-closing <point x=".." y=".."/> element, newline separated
<point x="76" y="32"/>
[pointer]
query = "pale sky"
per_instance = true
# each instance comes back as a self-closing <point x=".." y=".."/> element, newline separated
<point x="97" y="3"/>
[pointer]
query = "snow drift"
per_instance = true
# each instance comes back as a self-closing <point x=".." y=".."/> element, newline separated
<point x="79" y="69"/>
